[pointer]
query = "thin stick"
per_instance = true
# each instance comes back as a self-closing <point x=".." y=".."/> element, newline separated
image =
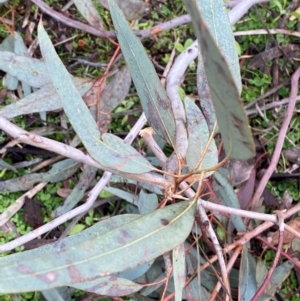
<point x="279" y="144"/>
<point x="275" y="261"/>
<point x="230" y="264"/>
<point x="264" y="31"/>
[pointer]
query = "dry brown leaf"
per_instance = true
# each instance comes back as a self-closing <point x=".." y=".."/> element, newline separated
<point x="287" y="236"/>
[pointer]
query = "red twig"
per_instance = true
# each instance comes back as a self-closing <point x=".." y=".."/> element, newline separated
<point x="271" y="246"/>
<point x="281" y="137"/>
<point x="275" y="262"/>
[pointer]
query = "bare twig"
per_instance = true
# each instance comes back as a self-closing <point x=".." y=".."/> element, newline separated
<point x="15" y="207"/>
<point x="219" y="252"/>
<point x="281" y="137"/>
<point x="255" y="232"/>
<point x="275" y="261"/>
<point x="230" y="264"/>
<point x="265" y="95"/>
<point x="263" y="31"/>
<point x="272" y="105"/>
<point x="284" y="254"/>
<point x="23" y="136"/>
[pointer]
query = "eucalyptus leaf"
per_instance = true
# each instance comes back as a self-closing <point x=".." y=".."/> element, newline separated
<point x="92" y="253"/>
<point x="280" y="274"/>
<point x="26" y="69"/>
<point x="132" y="9"/>
<point x="198" y="136"/>
<point x="179" y="273"/>
<point x="88" y="174"/>
<point x="89" y="12"/>
<point x="44" y="99"/>
<point x="228" y="197"/>
<point x="8" y="44"/>
<point x="155" y="102"/>
<point x="231" y="117"/>
<point x="107" y="149"/>
<point x="135" y="273"/>
<point x="112" y="95"/>
<point x="215" y="15"/>
<point x="60" y="171"/>
<point x="52" y="295"/>
<point x="110" y="286"/>
<point x="5" y="165"/>
<point x="247" y="279"/>
<point x="20" y="49"/>
<point x="146" y="202"/>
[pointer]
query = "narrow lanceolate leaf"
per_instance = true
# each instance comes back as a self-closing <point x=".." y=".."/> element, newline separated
<point x="110" y="286"/>
<point x="44" y="99"/>
<point x="215" y="16"/>
<point x="4" y="165"/>
<point x="112" y="95"/>
<point x="198" y="136"/>
<point x="155" y="102"/>
<point x="227" y="197"/>
<point x="107" y="149"/>
<point x="26" y="69"/>
<point x="89" y="12"/>
<point x="98" y="252"/>
<point x="8" y="44"/>
<point x="60" y="171"/>
<point x="247" y="279"/>
<point x="179" y="273"/>
<point x="88" y="174"/>
<point x="20" y="49"/>
<point x="231" y="117"/>
<point x="132" y="9"/>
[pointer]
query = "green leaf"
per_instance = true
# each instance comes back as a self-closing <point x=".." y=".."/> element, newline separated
<point x="132" y="9"/>
<point x="88" y="174"/>
<point x="60" y="171"/>
<point x="77" y="229"/>
<point x="44" y="99"/>
<point x="228" y="198"/>
<point x="5" y="165"/>
<point x="110" y="286"/>
<point x="8" y="44"/>
<point x="247" y="278"/>
<point x="98" y="251"/>
<point x="231" y="117"/>
<point x="112" y="95"/>
<point x="52" y="295"/>
<point x="155" y="102"/>
<point x="20" y="49"/>
<point x="215" y="16"/>
<point x="280" y="274"/>
<point x="146" y="202"/>
<point x="179" y="47"/>
<point x="179" y="274"/>
<point x="107" y="149"/>
<point x="198" y="135"/>
<point x="26" y="69"/>
<point x="89" y="12"/>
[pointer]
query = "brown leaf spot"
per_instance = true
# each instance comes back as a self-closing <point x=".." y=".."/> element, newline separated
<point x="25" y="269"/>
<point x="164" y="222"/>
<point x="126" y="234"/>
<point x="74" y="273"/>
